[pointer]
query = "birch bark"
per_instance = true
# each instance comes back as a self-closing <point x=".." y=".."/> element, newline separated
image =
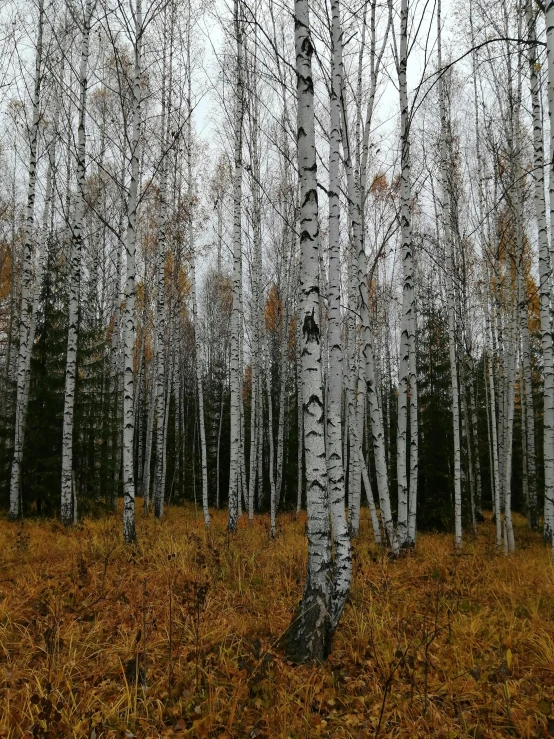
<point x="509" y="543"/>
<point x="129" y="533"/>
<point x="235" y="368"/>
<point x="309" y="635"/>
<point x="197" y="345"/>
<point x="342" y="562"/>
<point x="300" y="406"/>
<point x="160" y="320"/>
<point x="272" y="487"/>
<point x="27" y="279"/>
<point x="549" y="376"/>
<point x="406" y="374"/>
<point x="361" y="414"/>
<point x="545" y="274"/>
<point x="451" y="295"/>
<point x="66" y="504"/>
<point x="255" y="427"/>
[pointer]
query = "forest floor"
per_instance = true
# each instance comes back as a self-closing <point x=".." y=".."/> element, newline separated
<point x="177" y="636"/>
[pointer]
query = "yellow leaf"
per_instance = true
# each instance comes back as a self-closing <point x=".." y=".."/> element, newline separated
<point x="509" y="658"/>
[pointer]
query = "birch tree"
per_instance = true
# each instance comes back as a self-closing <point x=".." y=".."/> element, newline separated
<point x="129" y="319"/>
<point x="68" y="494"/>
<point x="309" y="635"/>
<point x="342" y="563"/>
<point x="545" y="266"/>
<point x="449" y="268"/>
<point x="236" y="316"/>
<point x="407" y="373"/>
<point x="27" y="277"/>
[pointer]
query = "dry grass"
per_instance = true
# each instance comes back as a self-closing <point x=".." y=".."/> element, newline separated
<point x="431" y="645"/>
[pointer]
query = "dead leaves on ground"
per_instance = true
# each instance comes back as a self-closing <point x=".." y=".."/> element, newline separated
<point x="176" y="636"/>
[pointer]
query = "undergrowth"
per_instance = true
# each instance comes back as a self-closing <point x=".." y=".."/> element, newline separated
<point x="177" y="636"/>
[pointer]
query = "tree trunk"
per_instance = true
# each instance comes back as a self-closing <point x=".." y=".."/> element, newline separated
<point x="66" y="506"/>
<point x="406" y="375"/>
<point x="236" y="369"/>
<point x="309" y="635"/>
<point x="342" y="561"/>
<point x="129" y="534"/>
<point x="25" y="347"/>
<point x="451" y="293"/>
<point x="545" y="275"/>
<point x="272" y="487"/>
<point x="161" y="320"/>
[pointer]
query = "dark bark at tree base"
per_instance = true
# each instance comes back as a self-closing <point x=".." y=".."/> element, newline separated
<point x="129" y="535"/>
<point x="309" y="637"/>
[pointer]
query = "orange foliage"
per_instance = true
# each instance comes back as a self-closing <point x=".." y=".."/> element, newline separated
<point x="5" y="271"/>
<point x="273" y="310"/>
<point x="379" y="186"/>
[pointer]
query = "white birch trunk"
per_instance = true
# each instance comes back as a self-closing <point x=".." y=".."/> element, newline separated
<point x="160" y="320"/>
<point x="361" y="413"/>
<point x="218" y="453"/>
<point x="66" y="505"/>
<point x="283" y="363"/>
<point x="149" y="437"/>
<point x="309" y="635"/>
<point x="197" y="346"/>
<point x="496" y="471"/>
<point x="342" y="562"/>
<point x="406" y="378"/>
<point x="235" y="368"/>
<point x="300" y="408"/>
<point x="509" y="543"/>
<point x="197" y="361"/>
<point x="451" y="295"/>
<point x="272" y="487"/>
<point x="545" y="274"/>
<point x="475" y="439"/>
<point x="25" y="347"/>
<point x="255" y="428"/>
<point x="169" y="386"/>
<point x="549" y="377"/>
<point x="354" y="492"/>
<point x="129" y="534"/>
<point x="414" y="438"/>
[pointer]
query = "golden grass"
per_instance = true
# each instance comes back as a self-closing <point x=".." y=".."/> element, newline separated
<point x="433" y="644"/>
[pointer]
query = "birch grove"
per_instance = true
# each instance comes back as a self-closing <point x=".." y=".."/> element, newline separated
<point x="280" y="260"/>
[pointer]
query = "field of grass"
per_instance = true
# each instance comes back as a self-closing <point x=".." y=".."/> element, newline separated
<point x="179" y="635"/>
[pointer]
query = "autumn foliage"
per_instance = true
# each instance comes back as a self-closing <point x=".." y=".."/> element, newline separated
<point x="179" y="635"/>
